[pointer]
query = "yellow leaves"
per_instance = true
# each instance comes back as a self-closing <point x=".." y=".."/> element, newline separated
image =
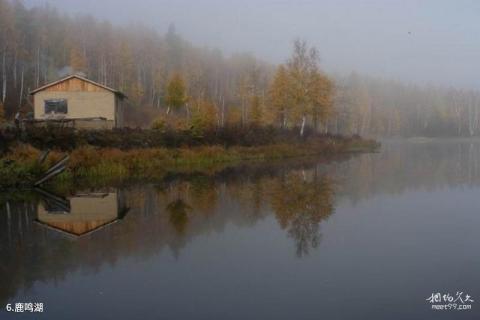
<point x="322" y="90"/>
<point x="207" y="111"/>
<point x="204" y="116"/>
<point x="234" y="116"/>
<point x="256" y="112"/>
<point x="160" y="123"/>
<point x="300" y="89"/>
<point x="279" y="91"/>
<point x="176" y="95"/>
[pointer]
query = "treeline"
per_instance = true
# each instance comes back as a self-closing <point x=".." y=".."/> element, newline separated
<point x="165" y="77"/>
<point x="368" y="106"/>
<point x="169" y="80"/>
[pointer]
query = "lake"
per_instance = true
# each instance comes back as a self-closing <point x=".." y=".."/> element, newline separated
<point x="369" y="236"/>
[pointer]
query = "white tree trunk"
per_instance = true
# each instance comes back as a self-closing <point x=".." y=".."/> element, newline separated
<point x="15" y="70"/>
<point x="4" y="76"/>
<point x="37" y="75"/>
<point x="21" y="87"/>
<point x="223" y="111"/>
<point x="302" y="130"/>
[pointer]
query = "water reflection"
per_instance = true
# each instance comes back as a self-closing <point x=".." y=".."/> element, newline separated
<point x="298" y="196"/>
<point x="167" y="214"/>
<point x="300" y="200"/>
<point x="404" y="166"/>
<point x="300" y="203"/>
<point x="80" y="214"/>
<point x="178" y="211"/>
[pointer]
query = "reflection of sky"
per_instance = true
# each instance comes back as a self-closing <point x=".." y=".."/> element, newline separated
<point x="422" y="41"/>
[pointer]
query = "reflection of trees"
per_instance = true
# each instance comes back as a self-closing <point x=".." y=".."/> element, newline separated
<point x="167" y="215"/>
<point x="178" y="211"/>
<point x="249" y="194"/>
<point x="300" y="204"/>
<point x="301" y="199"/>
<point x="184" y="196"/>
<point x="204" y="194"/>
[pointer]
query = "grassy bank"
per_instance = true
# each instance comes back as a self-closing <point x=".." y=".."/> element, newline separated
<point x="19" y="167"/>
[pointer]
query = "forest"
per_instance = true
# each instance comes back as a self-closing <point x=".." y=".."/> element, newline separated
<point x="169" y="81"/>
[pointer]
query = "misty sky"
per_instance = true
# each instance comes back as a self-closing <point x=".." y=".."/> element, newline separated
<point x="432" y="41"/>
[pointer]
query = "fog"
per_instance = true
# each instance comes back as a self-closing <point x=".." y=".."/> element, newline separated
<point x="424" y="42"/>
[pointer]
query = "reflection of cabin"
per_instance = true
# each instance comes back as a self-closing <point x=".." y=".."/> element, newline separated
<point x="81" y="214"/>
<point x="79" y="102"/>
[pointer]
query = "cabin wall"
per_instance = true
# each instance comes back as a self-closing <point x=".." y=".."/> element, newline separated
<point x="84" y="100"/>
<point x="80" y="104"/>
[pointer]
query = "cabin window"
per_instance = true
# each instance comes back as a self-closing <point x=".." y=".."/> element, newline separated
<point x="56" y="106"/>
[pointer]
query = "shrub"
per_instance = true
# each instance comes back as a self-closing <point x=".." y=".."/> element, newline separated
<point x="160" y="124"/>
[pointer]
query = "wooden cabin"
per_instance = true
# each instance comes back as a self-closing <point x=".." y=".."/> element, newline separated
<point x="79" y="102"/>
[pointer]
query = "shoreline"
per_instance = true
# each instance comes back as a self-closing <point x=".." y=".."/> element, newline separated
<point x="92" y="165"/>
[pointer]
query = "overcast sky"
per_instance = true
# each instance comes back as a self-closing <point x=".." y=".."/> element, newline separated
<point x="430" y="41"/>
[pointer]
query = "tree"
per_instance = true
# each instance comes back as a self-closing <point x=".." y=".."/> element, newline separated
<point x="310" y="91"/>
<point x="256" y="112"/>
<point x="244" y="90"/>
<point x="125" y="66"/>
<point x="176" y="93"/>
<point x="36" y="42"/>
<point x="356" y="105"/>
<point x="204" y="116"/>
<point x="6" y="44"/>
<point x="299" y="69"/>
<point x="280" y="98"/>
<point x="2" y="113"/>
<point x="234" y="116"/>
<point x="322" y="98"/>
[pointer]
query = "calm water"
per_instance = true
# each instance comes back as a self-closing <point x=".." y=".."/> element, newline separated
<point x="370" y="237"/>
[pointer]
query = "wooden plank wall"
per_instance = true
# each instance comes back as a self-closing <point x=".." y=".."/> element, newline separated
<point x="75" y="84"/>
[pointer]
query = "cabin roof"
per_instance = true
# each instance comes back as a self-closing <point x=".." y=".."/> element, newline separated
<point x="48" y="85"/>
